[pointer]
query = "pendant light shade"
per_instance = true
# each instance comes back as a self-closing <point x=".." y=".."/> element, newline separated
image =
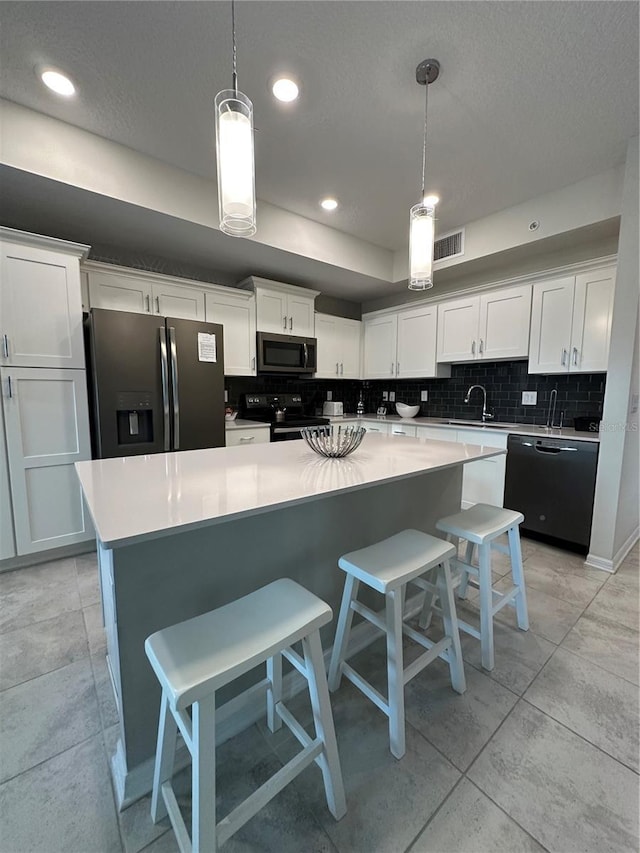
<point x="236" y="171"/>
<point x="422" y="215"/>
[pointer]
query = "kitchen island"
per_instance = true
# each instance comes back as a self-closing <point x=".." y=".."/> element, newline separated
<point x="182" y="533"/>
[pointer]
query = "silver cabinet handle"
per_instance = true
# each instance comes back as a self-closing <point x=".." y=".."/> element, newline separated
<point x="392" y="368"/>
<point x="397" y="368"/>
<point x="253" y="363"/>
<point x="174" y="387"/>
<point x="284" y="323"/>
<point x="158" y="304"/>
<point x="399" y="432"/>
<point x="164" y="370"/>
<point x="5" y="346"/>
<point x="337" y="371"/>
<point x="291" y="324"/>
<point x="575" y="356"/>
<point x="563" y="360"/>
<point x="481" y="346"/>
<point x="473" y="347"/>
<point x="148" y="303"/>
<point x="248" y="438"/>
<point x="341" y="369"/>
<point x="10" y="387"/>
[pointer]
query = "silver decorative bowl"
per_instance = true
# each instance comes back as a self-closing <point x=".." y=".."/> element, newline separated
<point x="333" y="441"/>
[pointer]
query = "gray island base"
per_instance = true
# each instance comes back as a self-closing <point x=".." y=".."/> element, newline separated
<point x="183" y="533"/>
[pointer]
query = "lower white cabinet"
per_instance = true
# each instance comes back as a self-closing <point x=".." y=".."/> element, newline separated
<point x="7" y="539"/>
<point x="47" y="430"/>
<point x="244" y="437"/>
<point x="436" y="433"/>
<point x="236" y="312"/>
<point x="376" y="426"/>
<point x="403" y="429"/>
<point x="483" y="480"/>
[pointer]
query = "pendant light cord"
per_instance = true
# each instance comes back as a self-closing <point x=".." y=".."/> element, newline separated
<point x="424" y="144"/>
<point x="233" y="33"/>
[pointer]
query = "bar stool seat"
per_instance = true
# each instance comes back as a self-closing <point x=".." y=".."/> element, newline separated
<point x="195" y="658"/>
<point x="387" y="567"/>
<point x="480" y="526"/>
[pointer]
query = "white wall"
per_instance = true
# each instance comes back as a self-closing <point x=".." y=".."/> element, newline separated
<point x="615" y="517"/>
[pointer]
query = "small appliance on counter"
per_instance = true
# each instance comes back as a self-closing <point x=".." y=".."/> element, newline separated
<point x="331" y="409"/>
<point x="283" y="412"/>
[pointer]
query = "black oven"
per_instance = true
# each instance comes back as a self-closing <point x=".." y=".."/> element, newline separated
<point x="285" y="354"/>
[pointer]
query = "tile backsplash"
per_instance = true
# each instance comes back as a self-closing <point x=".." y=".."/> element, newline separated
<point x="579" y="394"/>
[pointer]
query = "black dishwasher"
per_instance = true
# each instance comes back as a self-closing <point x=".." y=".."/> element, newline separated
<point x="552" y="481"/>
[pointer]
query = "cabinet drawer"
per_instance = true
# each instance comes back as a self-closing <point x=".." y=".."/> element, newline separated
<point x="373" y="426"/>
<point x="403" y="429"/>
<point x="244" y="437"/>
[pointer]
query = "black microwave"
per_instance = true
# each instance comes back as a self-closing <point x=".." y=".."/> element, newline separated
<point x="286" y="354"/>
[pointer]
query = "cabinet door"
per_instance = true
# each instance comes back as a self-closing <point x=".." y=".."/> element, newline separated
<point x="47" y="423"/>
<point x="591" y="328"/>
<point x="483" y="480"/>
<point x="300" y="315"/>
<point x="348" y="335"/>
<point x="238" y="317"/>
<point x="328" y="360"/>
<point x="403" y="429"/>
<point x="436" y="433"/>
<point x="416" y="353"/>
<point x="376" y="426"/>
<point x="246" y="437"/>
<point x="271" y="311"/>
<point x="40" y="308"/>
<point x="380" y="337"/>
<point x="458" y="329"/>
<point x="550" y="339"/>
<point x="184" y="303"/>
<point x="7" y="540"/>
<point x="119" y="292"/>
<point x="504" y="323"/>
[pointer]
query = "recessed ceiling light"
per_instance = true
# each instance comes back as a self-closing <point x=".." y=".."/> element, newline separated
<point x="56" y="81"/>
<point x="285" y="89"/>
<point x="431" y="200"/>
<point x="328" y="204"/>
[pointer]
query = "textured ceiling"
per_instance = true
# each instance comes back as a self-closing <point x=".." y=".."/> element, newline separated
<point x="532" y="95"/>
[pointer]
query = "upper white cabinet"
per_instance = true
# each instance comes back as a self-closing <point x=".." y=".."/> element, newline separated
<point x="47" y="430"/>
<point x="401" y="344"/>
<point x="339" y="347"/>
<point x="122" y="289"/>
<point x="235" y="310"/>
<point x="282" y="308"/>
<point x="571" y="323"/>
<point x="40" y="301"/>
<point x="490" y="326"/>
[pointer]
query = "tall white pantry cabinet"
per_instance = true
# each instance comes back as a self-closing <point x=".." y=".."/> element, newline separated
<point x="45" y="414"/>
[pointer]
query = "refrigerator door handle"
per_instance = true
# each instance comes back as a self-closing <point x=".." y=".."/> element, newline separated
<point x="174" y="387"/>
<point x="164" y="367"/>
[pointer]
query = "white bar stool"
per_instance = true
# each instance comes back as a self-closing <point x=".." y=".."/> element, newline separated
<point x="194" y="659"/>
<point x="480" y="526"/>
<point x="387" y="567"/>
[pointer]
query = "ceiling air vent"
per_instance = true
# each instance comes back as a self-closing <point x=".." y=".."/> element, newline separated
<point x="449" y="246"/>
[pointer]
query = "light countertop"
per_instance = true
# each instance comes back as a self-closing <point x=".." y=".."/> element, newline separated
<point x="140" y="497"/>
<point x="240" y="424"/>
<point x="519" y="429"/>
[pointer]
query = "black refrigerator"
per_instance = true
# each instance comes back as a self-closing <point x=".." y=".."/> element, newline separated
<point x="156" y="384"/>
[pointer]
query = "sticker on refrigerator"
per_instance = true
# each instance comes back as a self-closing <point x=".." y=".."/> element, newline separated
<point x="207" y="347"/>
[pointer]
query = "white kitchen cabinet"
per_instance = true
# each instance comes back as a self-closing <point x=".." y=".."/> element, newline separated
<point x="7" y="539"/>
<point x="381" y="427"/>
<point x="490" y="326"/>
<point x="47" y="430"/>
<point x="483" y="480"/>
<point x="403" y="429"/>
<point x="436" y="433"/>
<point x="339" y="347"/>
<point x="402" y="344"/>
<point x="236" y="312"/>
<point x="120" y="289"/>
<point x="571" y="323"/>
<point x="282" y="308"/>
<point x="244" y="437"/>
<point x="40" y="301"/>
<point x="182" y="302"/>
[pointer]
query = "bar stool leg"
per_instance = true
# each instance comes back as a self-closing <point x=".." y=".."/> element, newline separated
<point x="323" y="719"/>
<point x="274" y="691"/>
<point x="427" y="609"/>
<point x="486" y="606"/>
<point x="165" y="756"/>
<point x="464" y="576"/>
<point x="395" y="672"/>
<point x="450" y="622"/>
<point x="343" y="630"/>
<point x="517" y="572"/>
<point x="203" y="775"/>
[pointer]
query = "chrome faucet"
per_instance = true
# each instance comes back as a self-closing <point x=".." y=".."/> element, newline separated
<point x="486" y="416"/>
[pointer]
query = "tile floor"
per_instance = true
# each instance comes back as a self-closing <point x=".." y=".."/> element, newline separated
<point x="541" y="754"/>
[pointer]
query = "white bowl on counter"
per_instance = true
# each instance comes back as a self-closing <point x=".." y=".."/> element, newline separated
<point x="407" y="411"/>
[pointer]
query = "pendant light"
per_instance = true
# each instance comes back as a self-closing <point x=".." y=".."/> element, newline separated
<point x="422" y="215"/>
<point x="234" y="147"/>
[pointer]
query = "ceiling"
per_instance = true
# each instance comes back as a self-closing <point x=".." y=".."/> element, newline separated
<point x="532" y="96"/>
